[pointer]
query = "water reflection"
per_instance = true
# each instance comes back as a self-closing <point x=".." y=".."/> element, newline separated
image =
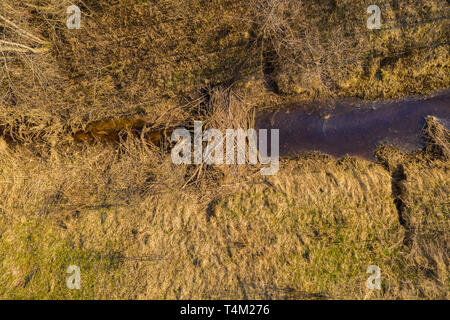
<point x="354" y="129"/>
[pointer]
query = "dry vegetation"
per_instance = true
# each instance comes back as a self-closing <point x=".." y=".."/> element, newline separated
<point x="322" y="49"/>
<point x="308" y="232"/>
<point x="139" y="226"/>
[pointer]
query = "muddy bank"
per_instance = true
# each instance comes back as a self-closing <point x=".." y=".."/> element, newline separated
<point x="113" y="130"/>
<point x="350" y="128"/>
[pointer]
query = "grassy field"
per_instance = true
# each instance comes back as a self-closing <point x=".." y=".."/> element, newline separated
<point x="140" y="227"/>
<point x="309" y="232"/>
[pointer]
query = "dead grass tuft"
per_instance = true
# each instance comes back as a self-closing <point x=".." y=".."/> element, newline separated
<point x="437" y="139"/>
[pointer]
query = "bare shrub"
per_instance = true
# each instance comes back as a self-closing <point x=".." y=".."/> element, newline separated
<point x="308" y="56"/>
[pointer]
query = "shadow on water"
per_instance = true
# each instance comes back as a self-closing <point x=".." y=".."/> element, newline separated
<point x="349" y="128"/>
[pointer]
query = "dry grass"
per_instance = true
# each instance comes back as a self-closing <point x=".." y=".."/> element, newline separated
<point x="437" y="139"/>
<point x="139" y="226"/>
<point x="309" y="232"/>
<point x="135" y="58"/>
<point x="322" y="49"/>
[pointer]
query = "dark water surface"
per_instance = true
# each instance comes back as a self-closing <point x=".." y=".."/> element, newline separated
<point x="355" y="129"/>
